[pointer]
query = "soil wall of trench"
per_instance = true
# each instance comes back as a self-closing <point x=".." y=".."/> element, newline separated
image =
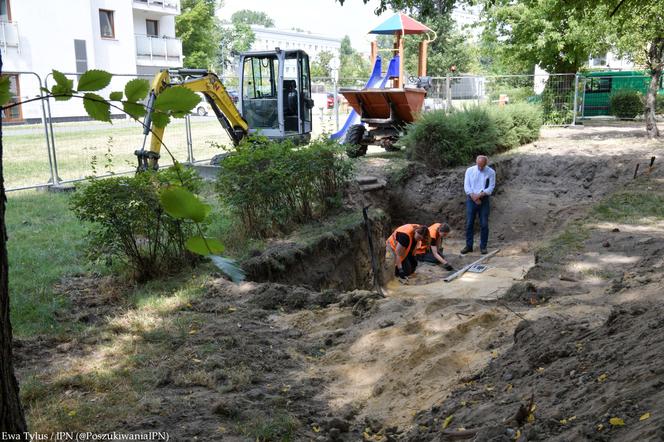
<point x="338" y="259"/>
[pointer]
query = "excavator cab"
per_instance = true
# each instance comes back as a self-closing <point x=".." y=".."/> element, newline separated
<point x="275" y="94"/>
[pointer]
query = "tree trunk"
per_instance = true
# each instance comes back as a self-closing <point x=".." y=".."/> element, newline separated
<point x="12" y="419"/>
<point x="656" y="64"/>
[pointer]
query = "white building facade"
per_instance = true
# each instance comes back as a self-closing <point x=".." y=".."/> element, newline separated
<point x="312" y="44"/>
<point x="128" y="37"/>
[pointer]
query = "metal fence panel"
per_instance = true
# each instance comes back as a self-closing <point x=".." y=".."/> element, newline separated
<point x="555" y="93"/>
<point x="26" y="155"/>
<point x="594" y="93"/>
<point x="84" y="148"/>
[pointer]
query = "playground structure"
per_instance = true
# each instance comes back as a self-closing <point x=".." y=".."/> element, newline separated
<point x="383" y="108"/>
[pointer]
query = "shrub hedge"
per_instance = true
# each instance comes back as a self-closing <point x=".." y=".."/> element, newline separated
<point x="444" y="140"/>
<point x="129" y="226"/>
<point x="626" y="103"/>
<point x="271" y="185"/>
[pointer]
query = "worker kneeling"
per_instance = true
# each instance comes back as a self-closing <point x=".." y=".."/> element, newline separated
<point x="432" y="251"/>
<point x="402" y="243"/>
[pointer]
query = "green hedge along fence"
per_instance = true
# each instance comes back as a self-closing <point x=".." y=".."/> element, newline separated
<point x="441" y="140"/>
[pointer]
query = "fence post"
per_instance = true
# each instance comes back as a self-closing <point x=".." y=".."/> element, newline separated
<point x="448" y="92"/>
<point x="56" y="174"/>
<point x="576" y="95"/>
<point x="190" y="147"/>
<point x="336" y="102"/>
<point x="44" y="120"/>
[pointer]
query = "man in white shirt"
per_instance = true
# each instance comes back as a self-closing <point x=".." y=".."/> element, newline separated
<point x="478" y="184"/>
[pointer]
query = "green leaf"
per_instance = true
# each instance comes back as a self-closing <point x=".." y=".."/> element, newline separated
<point x="134" y="109"/>
<point x="160" y="119"/>
<point x="229" y="267"/>
<point x="62" y="81"/>
<point x="137" y="89"/>
<point x="204" y="246"/>
<point x="61" y="93"/>
<point x="181" y="203"/>
<point x="94" y="80"/>
<point x="176" y="99"/>
<point x="115" y="96"/>
<point x="96" y="107"/>
<point x="5" y="93"/>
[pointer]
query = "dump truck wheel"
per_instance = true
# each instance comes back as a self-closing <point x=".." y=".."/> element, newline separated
<point x="353" y="139"/>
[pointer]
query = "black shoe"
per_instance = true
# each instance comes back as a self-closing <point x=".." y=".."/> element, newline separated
<point x="483" y="251"/>
<point x="466" y="250"/>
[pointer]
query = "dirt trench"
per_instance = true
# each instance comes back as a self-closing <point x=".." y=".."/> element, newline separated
<point x="336" y="259"/>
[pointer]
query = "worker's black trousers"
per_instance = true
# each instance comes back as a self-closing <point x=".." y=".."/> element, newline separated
<point x="408" y="265"/>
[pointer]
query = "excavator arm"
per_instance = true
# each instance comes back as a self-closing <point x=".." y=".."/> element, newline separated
<point x="197" y="80"/>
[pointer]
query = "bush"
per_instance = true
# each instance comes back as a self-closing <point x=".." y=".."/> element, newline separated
<point x="439" y="139"/>
<point x="271" y="185"/>
<point x="444" y="140"/>
<point x="659" y="104"/>
<point x="129" y="224"/>
<point x="626" y="103"/>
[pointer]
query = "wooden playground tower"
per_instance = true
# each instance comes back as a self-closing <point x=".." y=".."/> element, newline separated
<point x="385" y="110"/>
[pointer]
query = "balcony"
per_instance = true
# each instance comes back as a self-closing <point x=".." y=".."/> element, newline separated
<point x="9" y="36"/>
<point x="166" y="7"/>
<point x="158" y="51"/>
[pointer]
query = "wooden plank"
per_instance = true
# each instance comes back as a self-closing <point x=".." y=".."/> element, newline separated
<point x="458" y="273"/>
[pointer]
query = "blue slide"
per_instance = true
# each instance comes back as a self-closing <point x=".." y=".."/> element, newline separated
<point x="375" y="80"/>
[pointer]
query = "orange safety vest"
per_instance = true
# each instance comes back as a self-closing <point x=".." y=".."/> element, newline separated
<point x="408" y="229"/>
<point x="433" y="240"/>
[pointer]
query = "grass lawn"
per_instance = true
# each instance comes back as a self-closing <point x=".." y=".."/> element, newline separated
<point x="45" y="244"/>
<point x="83" y="147"/>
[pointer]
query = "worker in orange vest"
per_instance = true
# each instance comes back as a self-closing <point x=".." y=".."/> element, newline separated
<point x="432" y="251"/>
<point x="402" y="244"/>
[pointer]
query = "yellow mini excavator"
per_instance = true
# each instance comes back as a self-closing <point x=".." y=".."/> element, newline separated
<point x="274" y="99"/>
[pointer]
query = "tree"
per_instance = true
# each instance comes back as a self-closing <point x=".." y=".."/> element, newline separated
<point x="12" y="419"/>
<point x="200" y="32"/>
<point x="352" y="63"/>
<point x="249" y="17"/>
<point x="238" y="37"/>
<point x="450" y="48"/>
<point x="425" y="7"/>
<point x="639" y="34"/>
<point x="320" y="67"/>
<point x="546" y="33"/>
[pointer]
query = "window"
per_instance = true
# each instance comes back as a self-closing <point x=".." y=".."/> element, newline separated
<point x="5" y="11"/>
<point x="152" y="28"/>
<point x="106" y="24"/>
<point x="14" y="113"/>
<point x="81" y="55"/>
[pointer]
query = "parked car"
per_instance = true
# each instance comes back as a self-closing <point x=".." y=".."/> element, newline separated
<point x="204" y="107"/>
<point x="330" y="101"/>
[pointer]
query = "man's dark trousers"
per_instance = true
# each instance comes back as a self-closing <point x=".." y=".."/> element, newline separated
<point x="482" y="211"/>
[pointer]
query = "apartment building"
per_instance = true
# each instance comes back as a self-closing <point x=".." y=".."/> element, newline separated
<point x="312" y="44"/>
<point x="130" y="37"/>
